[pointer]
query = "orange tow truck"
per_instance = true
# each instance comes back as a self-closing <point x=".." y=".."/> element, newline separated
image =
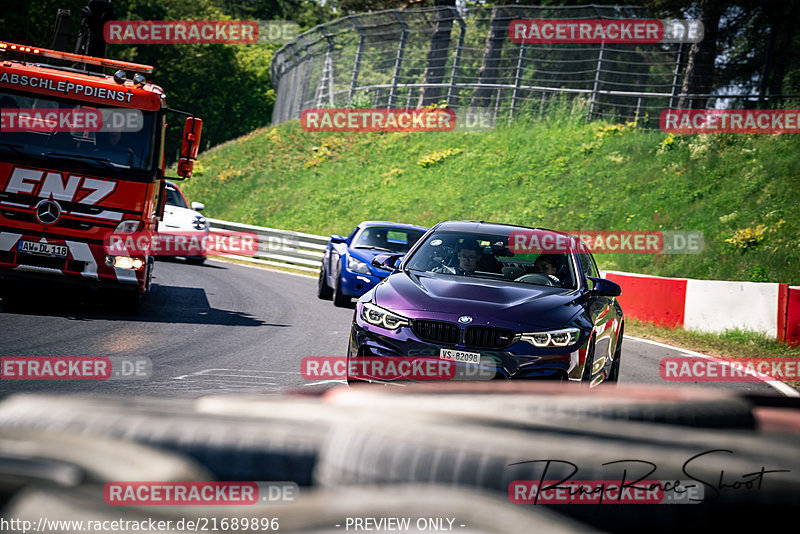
<point x="81" y="156"/>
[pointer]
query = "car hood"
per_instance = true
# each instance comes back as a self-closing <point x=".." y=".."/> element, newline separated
<point x="177" y="219"/>
<point x="503" y="304"/>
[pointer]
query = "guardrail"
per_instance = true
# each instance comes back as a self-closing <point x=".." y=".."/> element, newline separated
<point x="281" y="248"/>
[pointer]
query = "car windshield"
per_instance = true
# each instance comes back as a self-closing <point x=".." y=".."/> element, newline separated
<point x="174" y="197"/>
<point x="488" y="256"/>
<point x="116" y="139"/>
<point x="387" y="238"/>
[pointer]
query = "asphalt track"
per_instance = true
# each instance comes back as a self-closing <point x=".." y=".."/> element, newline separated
<point x="218" y="328"/>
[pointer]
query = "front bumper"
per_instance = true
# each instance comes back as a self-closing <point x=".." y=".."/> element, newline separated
<point x="84" y="265"/>
<point x="520" y="360"/>
<point x="356" y="284"/>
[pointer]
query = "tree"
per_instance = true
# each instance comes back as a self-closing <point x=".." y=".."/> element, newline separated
<point x="437" y="54"/>
<point x="490" y="66"/>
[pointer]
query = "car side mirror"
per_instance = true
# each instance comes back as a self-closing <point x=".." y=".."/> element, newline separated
<point x="605" y="288"/>
<point x="337" y="239"/>
<point x="190" y="146"/>
<point x="198" y="206"/>
<point x="387" y="262"/>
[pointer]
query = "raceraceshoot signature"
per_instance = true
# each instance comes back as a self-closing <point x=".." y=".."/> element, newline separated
<point x="725" y="482"/>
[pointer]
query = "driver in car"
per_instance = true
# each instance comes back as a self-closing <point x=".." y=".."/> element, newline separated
<point x="469" y="254"/>
<point x="112" y="146"/>
<point x="546" y="264"/>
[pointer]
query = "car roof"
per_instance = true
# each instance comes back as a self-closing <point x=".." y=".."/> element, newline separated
<point x="488" y="227"/>
<point x="391" y="224"/>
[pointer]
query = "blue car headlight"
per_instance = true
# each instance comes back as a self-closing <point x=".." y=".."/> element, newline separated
<point x="357" y="266"/>
<point x="552" y="338"/>
<point x="377" y="316"/>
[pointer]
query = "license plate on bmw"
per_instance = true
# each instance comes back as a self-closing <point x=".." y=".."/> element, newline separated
<point x="460" y="356"/>
<point x="42" y="249"/>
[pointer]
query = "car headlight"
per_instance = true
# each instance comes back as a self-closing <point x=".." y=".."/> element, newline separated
<point x="199" y="222"/>
<point x="552" y="338"/>
<point x="128" y="226"/>
<point x="357" y="266"/>
<point x="375" y="315"/>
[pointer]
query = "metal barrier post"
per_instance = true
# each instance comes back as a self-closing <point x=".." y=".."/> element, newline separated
<point x="398" y="62"/>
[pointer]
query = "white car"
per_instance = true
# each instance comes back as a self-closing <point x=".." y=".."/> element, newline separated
<point x="179" y="217"/>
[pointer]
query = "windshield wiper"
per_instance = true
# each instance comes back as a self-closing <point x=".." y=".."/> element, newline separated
<point x="103" y="161"/>
<point x="374" y="248"/>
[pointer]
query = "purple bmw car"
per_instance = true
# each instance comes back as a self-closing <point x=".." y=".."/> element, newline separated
<point x="461" y="294"/>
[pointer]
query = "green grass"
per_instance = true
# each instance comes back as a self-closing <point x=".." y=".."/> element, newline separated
<point x="731" y="343"/>
<point x="556" y="171"/>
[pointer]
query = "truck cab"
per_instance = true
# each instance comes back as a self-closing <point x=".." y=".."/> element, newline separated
<point x="81" y="157"/>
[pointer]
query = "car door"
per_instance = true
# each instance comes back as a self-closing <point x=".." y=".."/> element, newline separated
<point x="602" y="312"/>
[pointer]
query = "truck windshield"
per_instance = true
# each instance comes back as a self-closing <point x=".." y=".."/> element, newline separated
<point x="111" y="138"/>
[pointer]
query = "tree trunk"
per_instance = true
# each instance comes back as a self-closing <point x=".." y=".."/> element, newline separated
<point x="783" y="21"/>
<point x="699" y="76"/>
<point x="437" y="54"/>
<point x="490" y="67"/>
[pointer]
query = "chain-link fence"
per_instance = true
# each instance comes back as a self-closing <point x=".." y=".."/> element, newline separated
<point x="464" y="58"/>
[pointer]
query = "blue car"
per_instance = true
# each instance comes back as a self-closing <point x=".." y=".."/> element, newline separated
<point x="347" y="271"/>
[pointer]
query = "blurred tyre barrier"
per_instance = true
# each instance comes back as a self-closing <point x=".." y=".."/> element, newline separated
<point x="282" y="248"/>
<point x="321" y="511"/>
<point x="482" y="442"/>
<point x="483" y="436"/>
<point x="552" y="401"/>
<point x="31" y="456"/>
<point x="264" y="439"/>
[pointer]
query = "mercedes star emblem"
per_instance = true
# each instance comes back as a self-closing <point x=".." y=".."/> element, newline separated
<point x="48" y="212"/>
<point x="465" y="319"/>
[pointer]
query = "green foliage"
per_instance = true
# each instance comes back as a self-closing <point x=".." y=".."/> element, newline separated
<point x="428" y="160"/>
<point x="746" y="238"/>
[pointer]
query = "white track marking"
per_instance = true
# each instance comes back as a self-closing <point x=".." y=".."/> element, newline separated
<point x="776" y="384"/>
